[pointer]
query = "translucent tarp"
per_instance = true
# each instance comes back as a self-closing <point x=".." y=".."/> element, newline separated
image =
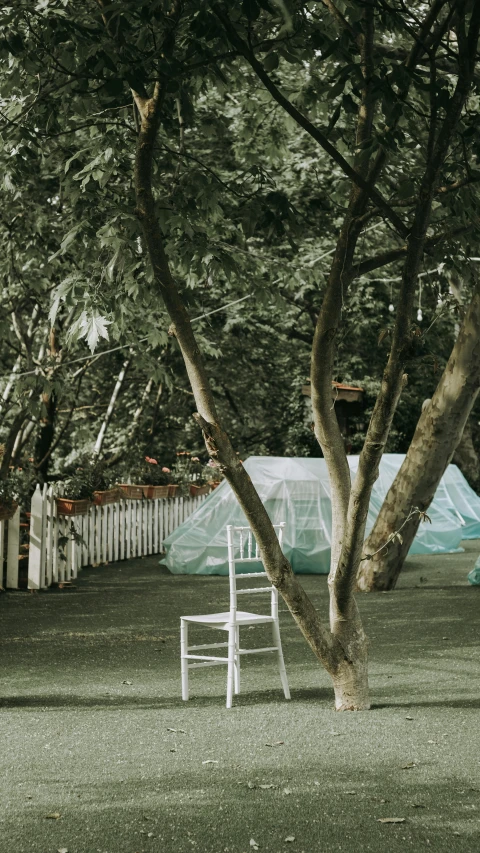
<point x="297" y="490"/>
<point x="464" y="499"/>
<point x="445" y="532"/>
<point x="474" y="575"/>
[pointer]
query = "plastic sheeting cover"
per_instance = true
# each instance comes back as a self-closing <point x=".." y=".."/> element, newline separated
<point x="443" y="535"/>
<point x="295" y="490"/>
<point x="474" y="575"/>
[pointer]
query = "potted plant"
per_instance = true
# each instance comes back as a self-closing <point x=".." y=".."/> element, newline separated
<point x="91" y="483"/>
<point x="190" y="475"/>
<point x="150" y="480"/>
<point x="79" y="496"/>
<point x="212" y="474"/>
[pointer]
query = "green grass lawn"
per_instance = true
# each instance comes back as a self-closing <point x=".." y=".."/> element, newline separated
<point x="94" y="729"/>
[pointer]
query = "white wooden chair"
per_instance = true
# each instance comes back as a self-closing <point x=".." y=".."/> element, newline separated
<point x="241" y="549"/>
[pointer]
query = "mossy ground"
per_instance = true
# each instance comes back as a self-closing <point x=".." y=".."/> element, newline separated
<point x="90" y="699"/>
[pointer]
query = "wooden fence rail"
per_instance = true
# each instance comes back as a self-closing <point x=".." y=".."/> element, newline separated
<point x="60" y="545"/>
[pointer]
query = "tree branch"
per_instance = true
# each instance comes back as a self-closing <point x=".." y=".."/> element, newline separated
<point x="310" y="128"/>
<point x="385" y="258"/>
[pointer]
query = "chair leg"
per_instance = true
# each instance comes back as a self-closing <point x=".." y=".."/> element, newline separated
<point x="281" y="663"/>
<point x="183" y="659"/>
<point x="237" y="661"/>
<point x="231" y="664"/>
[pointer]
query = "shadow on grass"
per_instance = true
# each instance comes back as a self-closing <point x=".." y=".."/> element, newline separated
<point x="429" y="703"/>
<point x="254" y="698"/>
<point x="210" y="810"/>
<point x="259" y="697"/>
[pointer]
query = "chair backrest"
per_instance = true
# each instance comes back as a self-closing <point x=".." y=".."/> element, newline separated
<point x="242" y="548"/>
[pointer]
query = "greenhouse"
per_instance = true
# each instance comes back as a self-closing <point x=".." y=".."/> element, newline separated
<point x="297" y="490"/>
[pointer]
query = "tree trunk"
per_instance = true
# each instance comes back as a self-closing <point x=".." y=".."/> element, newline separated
<point x="326" y="645"/>
<point x="111" y="406"/>
<point x="438" y="432"/>
<point x="45" y="435"/>
<point x="466" y="457"/>
<point x="6" y="457"/>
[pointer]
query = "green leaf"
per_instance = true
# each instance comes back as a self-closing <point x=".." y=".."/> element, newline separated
<point x="251" y="9"/>
<point x="91" y="327"/>
<point x="406" y="188"/>
<point x="271" y="62"/>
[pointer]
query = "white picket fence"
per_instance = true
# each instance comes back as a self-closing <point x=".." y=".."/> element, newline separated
<point x="60" y="545"/>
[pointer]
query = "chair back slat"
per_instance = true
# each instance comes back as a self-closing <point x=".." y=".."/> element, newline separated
<point x="243" y="548"/>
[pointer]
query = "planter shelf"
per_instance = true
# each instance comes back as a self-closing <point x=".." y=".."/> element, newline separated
<point x="66" y="506"/>
<point x="109" y="496"/>
<point x="156" y="491"/>
<point x="199" y="490"/>
<point x="7" y="512"/>
<point x="135" y="492"/>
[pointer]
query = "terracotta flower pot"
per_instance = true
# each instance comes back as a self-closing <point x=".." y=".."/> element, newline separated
<point x="173" y="489"/>
<point x="65" y="506"/>
<point x="7" y="512"/>
<point x="108" y="496"/>
<point x="156" y="491"/>
<point x="132" y="492"/>
<point x="199" y="490"/>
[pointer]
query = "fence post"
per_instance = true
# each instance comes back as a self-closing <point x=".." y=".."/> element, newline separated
<point x="13" y="548"/>
<point x="36" y="543"/>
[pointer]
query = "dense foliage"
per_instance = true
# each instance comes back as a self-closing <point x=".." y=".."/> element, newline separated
<point x="249" y="206"/>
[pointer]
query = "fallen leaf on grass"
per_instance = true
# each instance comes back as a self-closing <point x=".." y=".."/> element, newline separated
<point x="290" y="838"/>
<point x="127" y="682"/>
<point x="266" y="787"/>
<point x="210" y="761"/>
<point x="180" y="731"/>
<point x="253" y="844"/>
<point x="276" y="743"/>
<point x="391" y="820"/>
<point x="418" y="806"/>
<point x="409" y="718"/>
<point x="287" y="791"/>
<point x="409" y="765"/>
<point x="53" y="816"/>
<point x="62" y="850"/>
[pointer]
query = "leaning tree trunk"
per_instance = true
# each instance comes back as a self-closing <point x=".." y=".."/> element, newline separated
<point x="329" y="648"/>
<point x="438" y="432"/>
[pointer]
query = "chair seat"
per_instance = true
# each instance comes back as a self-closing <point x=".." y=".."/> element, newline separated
<point x="222" y="620"/>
